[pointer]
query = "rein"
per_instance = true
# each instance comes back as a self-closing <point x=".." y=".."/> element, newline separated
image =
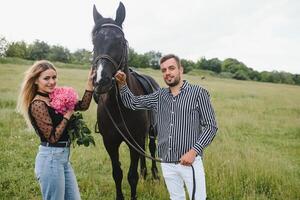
<point x="138" y="148"/>
<point x="117" y="67"/>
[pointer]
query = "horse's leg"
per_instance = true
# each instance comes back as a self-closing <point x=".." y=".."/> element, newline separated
<point x="113" y="151"/>
<point x="143" y="166"/>
<point x="133" y="176"/>
<point x="152" y="149"/>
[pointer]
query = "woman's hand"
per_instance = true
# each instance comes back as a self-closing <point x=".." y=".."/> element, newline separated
<point x="68" y="114"/>
<point x="89" y="85"/>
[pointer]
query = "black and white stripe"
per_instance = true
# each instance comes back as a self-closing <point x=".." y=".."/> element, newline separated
<point x="184" y="121"/>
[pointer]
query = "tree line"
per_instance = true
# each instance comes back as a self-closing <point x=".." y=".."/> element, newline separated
<point x="228" y="68"/>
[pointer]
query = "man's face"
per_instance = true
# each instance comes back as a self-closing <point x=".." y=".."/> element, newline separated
<point x="171" y="72"/>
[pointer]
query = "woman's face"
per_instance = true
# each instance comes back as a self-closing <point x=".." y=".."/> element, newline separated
<point x="46" y="82"/>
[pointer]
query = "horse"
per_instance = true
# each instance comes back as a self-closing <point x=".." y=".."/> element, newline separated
<point x="110" y="54"/>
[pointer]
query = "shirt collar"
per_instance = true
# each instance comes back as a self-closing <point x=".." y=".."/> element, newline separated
<point x="184" y="86"/>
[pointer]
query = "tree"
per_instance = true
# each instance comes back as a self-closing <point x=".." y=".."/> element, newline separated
<point x="215" y="65"/>
<point x="3" y="46"/>
<point x="38" y="50"/>
<point x="233" y="65"/>
<point x="17" y="49"/>
<point x="81" y="56"/>
<point x="202" y="63"/>
<point x="132" y="58"/>
<point x="286" y="77"/>
<point x="59" y="53"/>
<point x="241" y="75"/>
<point x="153" y="59"/>
<point x="296" y="79"/>
<point x="254" y="75"/>
<point x="136" y="60"/>
<point x="188" y="65"/>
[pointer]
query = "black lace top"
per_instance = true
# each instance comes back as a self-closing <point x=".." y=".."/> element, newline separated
<point x="49" y="125"/>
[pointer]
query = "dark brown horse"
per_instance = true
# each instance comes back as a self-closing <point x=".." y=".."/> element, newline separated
<point x="110" y="55"/>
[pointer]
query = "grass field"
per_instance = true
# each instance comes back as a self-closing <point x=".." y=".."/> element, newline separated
<point x="256" y="154"/>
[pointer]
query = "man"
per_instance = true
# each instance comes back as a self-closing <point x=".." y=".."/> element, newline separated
<point x="186" y="125"/>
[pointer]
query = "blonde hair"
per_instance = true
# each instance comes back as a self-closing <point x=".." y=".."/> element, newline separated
<point x="29" y="87"/>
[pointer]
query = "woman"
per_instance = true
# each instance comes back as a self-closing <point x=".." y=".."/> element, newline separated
<point x="52" y="166"/>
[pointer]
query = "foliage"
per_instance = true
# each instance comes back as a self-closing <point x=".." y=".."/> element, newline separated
<point x="79" y="132"/>
<point x="17" y="49"/>
<point x="213" y="64"/>
<point x="38" y="50"/>
<point x="187" y="65"/>
<point x="228" y="68"/>
<point x="241" y="75"/>
<point x="59" y="53"/>
<point x="3" y="46"/>
<point x="81" y="56"/>
<point x="136" y="60"/>
<point x="153" y="59"/>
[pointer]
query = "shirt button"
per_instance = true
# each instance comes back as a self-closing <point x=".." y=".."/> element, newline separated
<point x="171" y="124"/>
<point x="172" y="112"/>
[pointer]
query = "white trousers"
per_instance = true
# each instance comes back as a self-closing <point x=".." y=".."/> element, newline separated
<point x="176" y="175"/>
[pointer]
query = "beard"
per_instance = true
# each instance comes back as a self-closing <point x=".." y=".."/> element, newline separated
<point x="173" y="83"/>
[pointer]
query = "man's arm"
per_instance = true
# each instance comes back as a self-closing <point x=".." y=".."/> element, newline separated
<point x="130" y="100"/>
<point x="207" y="121"/>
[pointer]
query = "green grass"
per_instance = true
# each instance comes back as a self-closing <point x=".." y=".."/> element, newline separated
<point x="256" y="154"/>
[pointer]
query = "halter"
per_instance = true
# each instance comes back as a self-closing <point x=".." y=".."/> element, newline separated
<point x="108" y="57"/>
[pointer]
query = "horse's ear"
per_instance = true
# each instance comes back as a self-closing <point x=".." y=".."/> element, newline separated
<point x="96" y="14"/>
<point x="120" y="16"/>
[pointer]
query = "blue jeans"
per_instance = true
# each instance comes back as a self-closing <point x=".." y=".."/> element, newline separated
<point x="54" y="172"/>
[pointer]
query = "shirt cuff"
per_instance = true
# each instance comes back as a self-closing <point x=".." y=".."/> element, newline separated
<point x="123" y="89"/>
<point x="198" y="148"/>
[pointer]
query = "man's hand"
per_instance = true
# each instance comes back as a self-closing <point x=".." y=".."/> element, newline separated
<point x="120" y="78"/>
<point x="188" y="158"/>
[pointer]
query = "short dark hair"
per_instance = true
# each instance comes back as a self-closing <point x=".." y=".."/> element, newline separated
<point x="169" y="56"/>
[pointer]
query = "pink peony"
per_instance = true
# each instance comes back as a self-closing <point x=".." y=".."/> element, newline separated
<point x="63" y="99"/>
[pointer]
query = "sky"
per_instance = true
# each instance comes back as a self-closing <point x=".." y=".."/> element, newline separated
<point x="263" y="34"/>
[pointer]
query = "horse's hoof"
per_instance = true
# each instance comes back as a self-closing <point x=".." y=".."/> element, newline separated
<point x="134" y="198"/>
<point x="120" y="198"/>
<point x="144" y="173"/>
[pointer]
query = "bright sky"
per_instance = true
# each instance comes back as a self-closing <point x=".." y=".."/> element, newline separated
<point x="263" y="34"/>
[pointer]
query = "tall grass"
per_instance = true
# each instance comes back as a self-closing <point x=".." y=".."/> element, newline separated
<point x="255" y="154"/>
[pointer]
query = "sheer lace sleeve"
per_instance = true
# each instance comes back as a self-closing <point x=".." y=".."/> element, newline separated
<point x="84" y="104"/>
<point x="40" y="113"/>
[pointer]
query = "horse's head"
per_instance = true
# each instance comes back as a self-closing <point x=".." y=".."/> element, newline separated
<point x="110" y="48"/>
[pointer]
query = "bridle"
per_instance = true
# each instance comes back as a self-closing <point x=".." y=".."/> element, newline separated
<point x="123" y="61"/>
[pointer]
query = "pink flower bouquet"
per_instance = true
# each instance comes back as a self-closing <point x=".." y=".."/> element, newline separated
<point x="63" y="99"/>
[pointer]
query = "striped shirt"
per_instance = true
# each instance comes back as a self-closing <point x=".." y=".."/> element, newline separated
<point x="184" y="121"/>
